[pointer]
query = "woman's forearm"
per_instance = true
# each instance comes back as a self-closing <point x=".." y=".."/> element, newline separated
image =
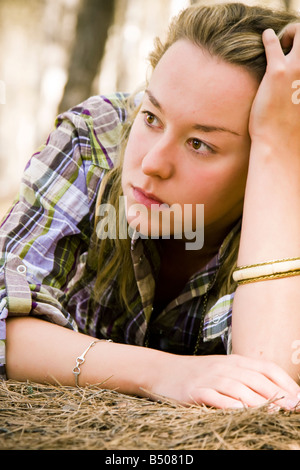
<point x="266" y="314"/>
<point x="271" y="220"/>
<point x="46" y="353"/>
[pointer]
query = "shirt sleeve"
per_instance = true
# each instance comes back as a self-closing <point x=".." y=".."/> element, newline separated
<point x="217" y="322"/>
<point x="49" y="225"/>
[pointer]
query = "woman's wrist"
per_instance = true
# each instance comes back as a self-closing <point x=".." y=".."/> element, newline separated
<point x="129" y="369"/>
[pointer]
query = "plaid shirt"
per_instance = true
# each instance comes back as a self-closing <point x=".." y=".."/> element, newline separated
<point x="45" y="238"/>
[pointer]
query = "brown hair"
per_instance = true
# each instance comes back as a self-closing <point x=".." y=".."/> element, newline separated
<point x="230" y="31"/>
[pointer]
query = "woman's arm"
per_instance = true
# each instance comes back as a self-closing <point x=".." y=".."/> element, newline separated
<point x="50" y="225"/>
<point x="266" y="314"/>
<point x="44" y="352"/>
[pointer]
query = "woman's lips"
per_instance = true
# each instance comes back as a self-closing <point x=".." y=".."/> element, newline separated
<point x="145" y="198"/>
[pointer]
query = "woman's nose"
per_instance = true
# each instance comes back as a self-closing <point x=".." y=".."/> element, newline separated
<point x="159" y="160"/>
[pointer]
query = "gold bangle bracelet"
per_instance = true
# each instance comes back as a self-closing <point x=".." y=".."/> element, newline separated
<point x="270" y="268"/>
<point x="269" y="277"/>
<point x="268" y="262"/>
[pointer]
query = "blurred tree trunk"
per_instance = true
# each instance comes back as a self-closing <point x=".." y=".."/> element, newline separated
<point x="94" y="20"/>
<point x="287" y="4"/>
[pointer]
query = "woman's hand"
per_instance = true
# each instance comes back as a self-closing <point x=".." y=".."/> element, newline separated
<point x="226" y="382"/>
<point x="275" y="118"/>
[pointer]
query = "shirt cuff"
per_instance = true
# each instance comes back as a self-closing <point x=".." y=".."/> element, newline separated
<point x="17" y="288"/>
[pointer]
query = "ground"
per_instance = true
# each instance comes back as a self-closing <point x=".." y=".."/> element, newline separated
<point x="42" y="417"/>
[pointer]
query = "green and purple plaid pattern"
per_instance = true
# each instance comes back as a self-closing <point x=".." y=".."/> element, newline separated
<point x="45" y="238"/>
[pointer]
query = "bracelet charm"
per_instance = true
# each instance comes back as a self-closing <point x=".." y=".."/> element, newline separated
<point x="81" y="359"/>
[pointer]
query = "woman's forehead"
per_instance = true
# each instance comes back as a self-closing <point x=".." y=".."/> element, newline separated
<point x="189" y="79"/>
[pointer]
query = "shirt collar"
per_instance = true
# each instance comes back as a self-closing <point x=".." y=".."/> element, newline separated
<point x="146" y="262"/>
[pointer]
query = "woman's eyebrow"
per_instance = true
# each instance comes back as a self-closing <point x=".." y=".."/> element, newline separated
<point x="206" y="128"/>
<point x="153" y="100"/>
<point x="201" y="127"/>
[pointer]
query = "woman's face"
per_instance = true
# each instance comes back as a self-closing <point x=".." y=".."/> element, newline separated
<point x="189" y="143"/>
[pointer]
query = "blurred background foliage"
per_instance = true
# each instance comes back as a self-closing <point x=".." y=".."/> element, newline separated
<point x="56" y="53"/>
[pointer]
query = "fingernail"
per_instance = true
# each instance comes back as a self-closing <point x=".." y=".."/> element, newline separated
<point x="238" y="406"/>
<point x="274" y="407"/>
<point x="291" y="404"/>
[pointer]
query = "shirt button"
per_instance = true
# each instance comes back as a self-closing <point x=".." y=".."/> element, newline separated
<point x="216" y="320"/>
<point x="21" y="269"/>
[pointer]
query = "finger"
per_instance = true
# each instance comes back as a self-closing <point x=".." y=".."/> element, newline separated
<point x="272" y="46"/>
<point x="258" y="389"/>
<point x="281" y="378"/>
<point x="229" y="392"/>
<point x="215" y="399"/>
<point x="253" y="389"/>
<point x="290" y="37"/>
<point x="271" y="371"/>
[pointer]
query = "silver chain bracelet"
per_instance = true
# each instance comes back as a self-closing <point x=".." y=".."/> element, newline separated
<point x="81" y="359"/>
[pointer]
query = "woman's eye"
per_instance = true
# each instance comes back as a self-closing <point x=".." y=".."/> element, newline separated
<point x="150" y="119"/>
<point x="199" y="146"/>
<point x="196" y="144"/>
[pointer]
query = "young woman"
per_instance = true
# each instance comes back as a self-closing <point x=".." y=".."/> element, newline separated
<point x="217" y="126"/>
